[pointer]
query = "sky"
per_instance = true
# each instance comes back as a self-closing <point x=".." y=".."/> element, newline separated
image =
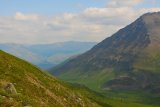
<point x="50" y="21"/>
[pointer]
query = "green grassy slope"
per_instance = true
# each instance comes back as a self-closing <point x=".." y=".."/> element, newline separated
<point x="150" y="63"/>
<point x="93" y="81"/>
<point x="35" y="87"/>
<point x="114" y="98"/>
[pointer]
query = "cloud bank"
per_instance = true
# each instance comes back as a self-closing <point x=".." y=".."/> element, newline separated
<point x="92" y="24"/>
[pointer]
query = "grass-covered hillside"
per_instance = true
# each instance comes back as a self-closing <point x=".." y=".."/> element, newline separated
<point x="22" y="84"/>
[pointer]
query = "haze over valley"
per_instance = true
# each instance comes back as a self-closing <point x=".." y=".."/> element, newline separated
<point x="46" y="56"/>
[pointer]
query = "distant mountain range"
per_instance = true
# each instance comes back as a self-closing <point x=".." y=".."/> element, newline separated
<point x="47" y="56"/>
<point x="127" y="61"/>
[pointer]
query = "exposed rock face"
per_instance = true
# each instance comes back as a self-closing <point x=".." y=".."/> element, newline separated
<point x="10" y="88"/>
<point x="122" y="83"/>
<point x="28" y="106"/>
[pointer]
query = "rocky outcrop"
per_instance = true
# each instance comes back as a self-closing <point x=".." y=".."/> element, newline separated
<point x="10" y="88"/>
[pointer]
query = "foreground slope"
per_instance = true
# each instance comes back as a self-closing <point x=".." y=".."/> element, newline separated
<point x="128" y="60"/>
<point x="22" y="84"/>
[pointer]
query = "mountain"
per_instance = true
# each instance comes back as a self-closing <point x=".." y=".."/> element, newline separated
<point x="47" y="55"/>
<point x="129" y="60"/>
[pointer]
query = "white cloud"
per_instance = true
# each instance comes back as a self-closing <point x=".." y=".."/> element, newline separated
<point x="21" y="16"/>
<point x="144" y="10"/>
<point x="92" y="24"/>
<point x="123" y="3"/>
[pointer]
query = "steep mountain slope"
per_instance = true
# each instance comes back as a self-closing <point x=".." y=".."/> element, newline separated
<point x="22" y="84"/>
<point x="128" y="60"/>
<point x="47" y="55"/>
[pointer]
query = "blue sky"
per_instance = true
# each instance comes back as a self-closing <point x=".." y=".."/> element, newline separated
<point x="48" y="21"/>
<point x="48" y="7"/>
